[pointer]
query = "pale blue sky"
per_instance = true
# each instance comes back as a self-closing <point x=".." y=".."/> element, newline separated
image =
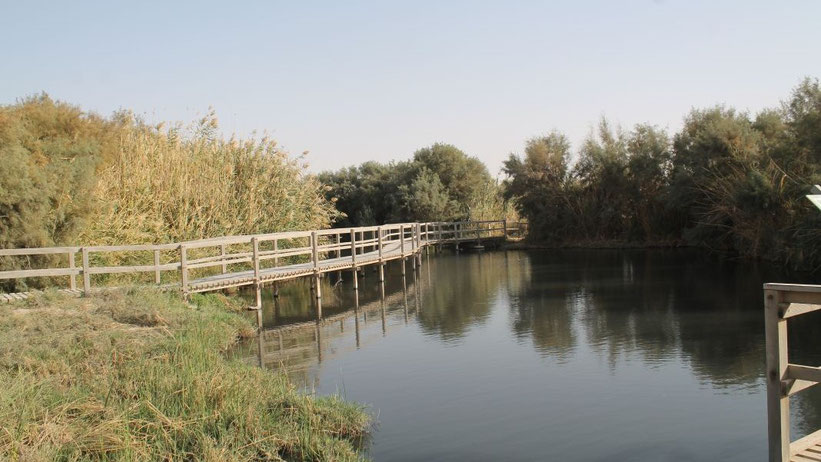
<point x="352" y="81"/>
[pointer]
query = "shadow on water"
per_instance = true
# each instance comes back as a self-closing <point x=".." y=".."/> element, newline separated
<point x="626" y="310"/>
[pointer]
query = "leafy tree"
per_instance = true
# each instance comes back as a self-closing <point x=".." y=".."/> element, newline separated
<point x="538" y="182"/>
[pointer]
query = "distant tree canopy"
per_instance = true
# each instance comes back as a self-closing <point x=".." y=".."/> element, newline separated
<point x="725" y="181"/>
<point x="440" y="183"/>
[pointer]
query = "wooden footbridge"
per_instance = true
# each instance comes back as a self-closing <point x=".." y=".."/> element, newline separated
<point x="255" y="260"/>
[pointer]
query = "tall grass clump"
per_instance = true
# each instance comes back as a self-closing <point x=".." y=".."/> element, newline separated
<point x="70" y="177"/>
<point x="143" y="376"/>
<point x="170" y="184"/>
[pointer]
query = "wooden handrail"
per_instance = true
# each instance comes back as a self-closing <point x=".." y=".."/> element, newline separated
<point x="781" y="302"/>
<point x="408" y="237"/>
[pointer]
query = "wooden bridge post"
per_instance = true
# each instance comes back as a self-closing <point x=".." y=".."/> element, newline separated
<point x="419" y="245"/>
<point x="257" y="282"/>
<point x="315" y="258"/>
<point x="414" y="247"/>
<point x="157" y="277"/>
<point x="504" y="228"/>
<point x="72" y="280"/>
<point x="402" y="247"/>
<point x="353" y="261"/>
<point x="356" y="316"/>
<point x="339" y="255"/>
<point x="224" y="267"/>
<point x="778" y="403"/>
<point x="427" y="238"/>
<point x="276" y="264"/>
<point x="184" y="271"/>
<point x="86" y="273"/>
<point x="381" y="263"/>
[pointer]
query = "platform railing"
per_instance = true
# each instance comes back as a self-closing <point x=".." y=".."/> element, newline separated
<point x="784" y="379"/>
<point x="222" y="255"/>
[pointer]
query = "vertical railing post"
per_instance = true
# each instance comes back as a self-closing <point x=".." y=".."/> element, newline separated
<point x="257" y="282"/>
<point x="402" y="247"/>
<point x="72" y="280"/>
<point x="157" y="278"/>
<point x="353" y="260"/>
<point x="86" y="274"/>
<point x="338" y="253"/>
<point x="778" y="403"/>
<point x="315" y="258"/>
<point x="402" y="240"/>
<point x="276" y="252"/>
<point x="504" y="228"/>
<point x="184" y="270"/>
<point x="381" y="263"/>
<point x="379" y="242"/>
<point x="222" y="257"/>
<point x="419" y="236"/>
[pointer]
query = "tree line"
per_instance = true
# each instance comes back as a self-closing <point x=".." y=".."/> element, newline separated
<point x="727" y="180"/>
<point x="439" y="183"/>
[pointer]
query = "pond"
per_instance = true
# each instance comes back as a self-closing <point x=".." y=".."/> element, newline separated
<point x="572" y="355"/>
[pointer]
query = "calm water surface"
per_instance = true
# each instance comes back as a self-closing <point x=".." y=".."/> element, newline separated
<point x="546" y="355"/>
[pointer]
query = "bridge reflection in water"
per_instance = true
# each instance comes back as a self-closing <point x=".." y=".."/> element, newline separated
<point x="294" y="342"/>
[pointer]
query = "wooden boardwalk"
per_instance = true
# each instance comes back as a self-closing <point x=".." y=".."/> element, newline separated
<point x="784" y="379"/>
<point x="235" y="261"/>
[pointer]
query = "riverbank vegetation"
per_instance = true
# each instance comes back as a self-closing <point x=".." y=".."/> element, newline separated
<point x="440" y="183"/>
<point x="142" y="375"/>
<point x="70" y="177"/>
<point x="728" y="180"/>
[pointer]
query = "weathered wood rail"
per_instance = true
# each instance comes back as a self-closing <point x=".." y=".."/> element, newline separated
<point x="782" y="302"/>
<point x="254" y="260"/>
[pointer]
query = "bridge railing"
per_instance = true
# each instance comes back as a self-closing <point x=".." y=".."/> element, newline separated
<point x="784" y="379"/>
<point x="177" y="263"/>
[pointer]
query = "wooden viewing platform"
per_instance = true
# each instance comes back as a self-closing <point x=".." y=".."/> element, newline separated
<point x="235" y="261"/>
<point x="782" y="302"/>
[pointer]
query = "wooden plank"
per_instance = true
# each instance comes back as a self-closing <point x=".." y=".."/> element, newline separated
<point x="31" y="273"/>
<point x="131" y="248"/>
<point x="804" y="298"/>
<point x="800" y="445"/>
<point x="792" y="287"/>
<point x="799" y="372"/>
<point x="37" y="251"/>
<point x="796" y="309"/>
<point x="792" y="386"/>
<point x="213" y="263"/>
<point x="121" y="269"/>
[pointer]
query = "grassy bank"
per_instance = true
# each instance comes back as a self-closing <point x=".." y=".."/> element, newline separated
<point x="142" y="376"/>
